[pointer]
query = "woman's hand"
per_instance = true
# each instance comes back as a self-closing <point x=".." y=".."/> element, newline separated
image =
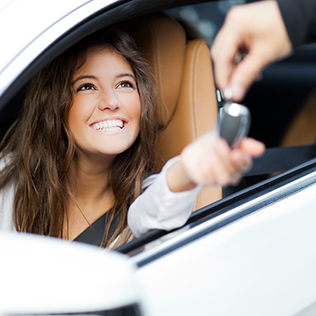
<point x="210" y="161"/>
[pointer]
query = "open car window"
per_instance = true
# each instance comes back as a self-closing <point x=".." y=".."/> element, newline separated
<point x="261" y="233"/>
<point x="290" y="82"/>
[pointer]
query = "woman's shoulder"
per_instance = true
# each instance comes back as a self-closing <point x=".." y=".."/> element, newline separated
<point x="6" y="201"/>
<point x="4" y="161"/>
<point x="7" y="187"/>
<point x="149" y="180"/>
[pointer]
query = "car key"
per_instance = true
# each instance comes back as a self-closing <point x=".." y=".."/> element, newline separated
<point x="233" y="123"/>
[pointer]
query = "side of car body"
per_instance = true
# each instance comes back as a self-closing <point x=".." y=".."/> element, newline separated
<point x="250" y="253"/>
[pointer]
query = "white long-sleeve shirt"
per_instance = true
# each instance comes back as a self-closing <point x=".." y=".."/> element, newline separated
<point x="156" y="208"/>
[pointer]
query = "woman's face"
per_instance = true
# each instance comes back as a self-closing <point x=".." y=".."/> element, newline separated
<point x="105" y="115"/>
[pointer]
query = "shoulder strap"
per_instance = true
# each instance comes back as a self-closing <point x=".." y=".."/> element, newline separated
<point x="95" y="236"/>
<point x="281" y="158"/>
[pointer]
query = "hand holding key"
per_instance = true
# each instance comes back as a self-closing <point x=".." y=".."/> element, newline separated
<point x="209" y="160"/>
<point x="218" y="157"/>
<point x="256" y="28"/>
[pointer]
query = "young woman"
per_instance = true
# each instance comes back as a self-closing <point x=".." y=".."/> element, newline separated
<point x="77" y="160"/>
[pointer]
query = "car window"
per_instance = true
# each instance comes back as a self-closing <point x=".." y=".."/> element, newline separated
<point x="203" y="20"/>
<point x="273" y="101"/>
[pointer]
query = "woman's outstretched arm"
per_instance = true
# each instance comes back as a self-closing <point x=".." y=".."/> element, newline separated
<point x="170" y="197"/>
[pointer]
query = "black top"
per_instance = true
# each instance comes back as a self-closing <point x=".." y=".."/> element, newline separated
<point x="299" y="17"/>
<point x="88" y="236"/>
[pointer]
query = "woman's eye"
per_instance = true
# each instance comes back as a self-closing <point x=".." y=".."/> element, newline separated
<point x="126" y="84"/>
<point x="86" y="86"/>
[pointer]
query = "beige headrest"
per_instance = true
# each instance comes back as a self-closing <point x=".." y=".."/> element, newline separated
<point x="162" y="42"/>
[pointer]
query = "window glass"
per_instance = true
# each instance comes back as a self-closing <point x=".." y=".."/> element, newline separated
<point x="203" y="20"/>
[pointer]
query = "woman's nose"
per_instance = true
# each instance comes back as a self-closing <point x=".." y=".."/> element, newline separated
<point x="108" y="101"/>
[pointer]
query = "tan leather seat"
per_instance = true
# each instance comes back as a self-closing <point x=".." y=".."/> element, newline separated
<point x="302" y="130"/>
<point x="183" y="70"/>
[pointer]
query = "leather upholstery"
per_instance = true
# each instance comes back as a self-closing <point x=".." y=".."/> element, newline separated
<point x="183" y="71"/>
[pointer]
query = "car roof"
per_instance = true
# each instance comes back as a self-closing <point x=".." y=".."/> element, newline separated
<point x="34" y="25"/>
<point x="27" y="20"/>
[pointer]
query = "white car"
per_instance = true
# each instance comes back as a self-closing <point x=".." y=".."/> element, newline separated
<point x="251" y="252"/>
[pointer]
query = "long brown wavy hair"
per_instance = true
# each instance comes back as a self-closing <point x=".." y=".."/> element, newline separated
<point x="40" y="147"/>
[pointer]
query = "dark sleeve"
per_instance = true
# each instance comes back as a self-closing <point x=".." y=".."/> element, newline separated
<point x="299" y="17"/>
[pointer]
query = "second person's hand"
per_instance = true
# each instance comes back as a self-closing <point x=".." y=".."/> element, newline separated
<point x="256" y="28"/>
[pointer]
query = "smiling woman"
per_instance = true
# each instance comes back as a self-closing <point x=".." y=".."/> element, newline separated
<point x="76" y="162"/>
<point x="59" y="153"/>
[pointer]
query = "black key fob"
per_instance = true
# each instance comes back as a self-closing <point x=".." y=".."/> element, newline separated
<point x="233" y="123"/>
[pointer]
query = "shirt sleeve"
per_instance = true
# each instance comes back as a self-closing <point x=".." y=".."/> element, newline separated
<point x="299" y="17"/>
<point x="160" y="208"/>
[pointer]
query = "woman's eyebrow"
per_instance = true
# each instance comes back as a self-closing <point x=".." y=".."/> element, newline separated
<point x="96" y="78"/>
<point x="84" y="77"/>
<point x="126" y="75"/>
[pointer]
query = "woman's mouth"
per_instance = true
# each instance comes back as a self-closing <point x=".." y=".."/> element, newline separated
<point x="108" y="125"/>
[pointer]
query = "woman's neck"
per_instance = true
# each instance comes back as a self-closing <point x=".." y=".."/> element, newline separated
<point x="93" y="195"/>
<point x="90" y="174"/>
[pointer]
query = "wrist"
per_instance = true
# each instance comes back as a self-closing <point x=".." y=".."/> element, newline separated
<point x="177" y="178"/>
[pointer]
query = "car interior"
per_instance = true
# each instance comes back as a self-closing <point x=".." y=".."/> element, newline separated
<point x="183" y="70"/>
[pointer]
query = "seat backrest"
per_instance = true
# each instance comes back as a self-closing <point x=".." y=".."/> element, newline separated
<point x="183" y="71"/>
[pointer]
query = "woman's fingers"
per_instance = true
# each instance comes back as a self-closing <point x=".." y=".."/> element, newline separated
<point x="251" y="146"/>
<point x="210" y="161"/>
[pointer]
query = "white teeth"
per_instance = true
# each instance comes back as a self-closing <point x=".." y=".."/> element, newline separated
<point x="109" y="125"/>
